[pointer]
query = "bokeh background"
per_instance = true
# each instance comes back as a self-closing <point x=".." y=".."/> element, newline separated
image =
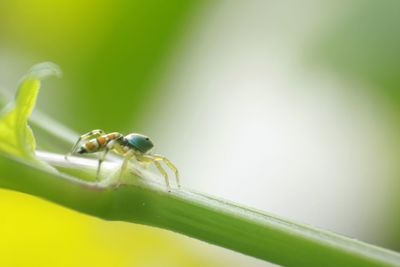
<point x="291" y="107"/>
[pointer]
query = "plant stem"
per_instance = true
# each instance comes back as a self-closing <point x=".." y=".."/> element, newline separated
<point x="219" y="222"/>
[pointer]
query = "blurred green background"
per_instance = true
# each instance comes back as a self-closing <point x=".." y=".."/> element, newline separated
<point x="288" y="106"/>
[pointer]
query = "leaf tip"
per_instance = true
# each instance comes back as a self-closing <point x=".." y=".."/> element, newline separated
<point x="45" y="69"/>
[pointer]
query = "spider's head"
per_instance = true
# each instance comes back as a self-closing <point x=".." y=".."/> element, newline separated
<point x="139" y="142"/>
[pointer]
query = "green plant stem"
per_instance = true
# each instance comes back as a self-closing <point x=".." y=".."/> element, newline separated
<point x="216" y="221"/>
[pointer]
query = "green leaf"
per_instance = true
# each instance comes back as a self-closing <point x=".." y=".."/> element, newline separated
<point x="265" y="236"/>
<point x="15" y="134"/>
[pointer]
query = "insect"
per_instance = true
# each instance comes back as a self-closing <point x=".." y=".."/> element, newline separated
<point x="132" y="146"/>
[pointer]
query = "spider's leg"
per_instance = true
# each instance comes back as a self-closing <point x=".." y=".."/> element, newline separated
<point x="171" y="166"/>
<point x="127" y="156"/>
<point x="164" y="173"/>
<point x="86" y="136"/>
<point x="155" y="161"/>
<point x="101" y="159"/>
<point x="103" y="155"/>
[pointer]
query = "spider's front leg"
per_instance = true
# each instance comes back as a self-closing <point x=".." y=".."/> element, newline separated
<point x="155" y="159"/>
<point x="86" y="136"/>
<point x="170" y="165"/>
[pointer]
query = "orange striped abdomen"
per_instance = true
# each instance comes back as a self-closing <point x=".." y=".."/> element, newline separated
<point x="99" y="143"/>
<point x="90" y="146"/>
<point x="113" y="136"/>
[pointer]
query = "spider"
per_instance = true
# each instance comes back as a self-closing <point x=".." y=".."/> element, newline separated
<point x="133" y="146"/>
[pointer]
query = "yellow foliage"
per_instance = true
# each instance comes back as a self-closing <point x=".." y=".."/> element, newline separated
<point x="34" y="232"/>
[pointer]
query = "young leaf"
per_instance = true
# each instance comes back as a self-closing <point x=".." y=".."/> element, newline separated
<point x="15" y="134"/>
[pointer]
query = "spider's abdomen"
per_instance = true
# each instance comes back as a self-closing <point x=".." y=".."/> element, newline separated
<point x="99" y="143"/>
<point x="139" y="142"/>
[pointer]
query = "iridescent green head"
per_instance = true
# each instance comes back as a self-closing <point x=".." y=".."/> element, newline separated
<point x="139" y="142"/>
